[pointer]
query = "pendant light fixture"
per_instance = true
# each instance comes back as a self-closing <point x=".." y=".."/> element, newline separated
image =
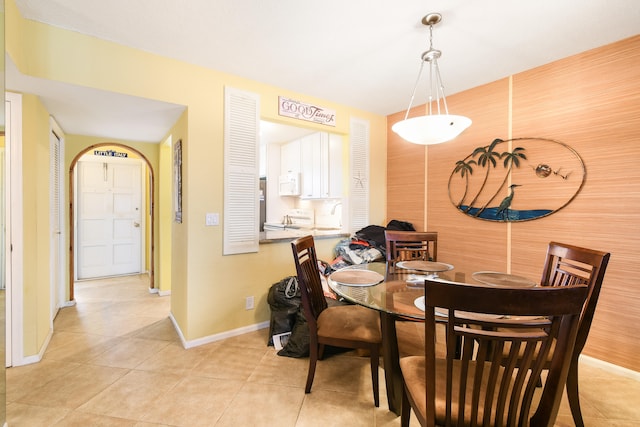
<point x="437" y="125"/>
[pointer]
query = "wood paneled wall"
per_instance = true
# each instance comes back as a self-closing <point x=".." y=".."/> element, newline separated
<point x="591" y="102"/>
<point x="406" y="177"/>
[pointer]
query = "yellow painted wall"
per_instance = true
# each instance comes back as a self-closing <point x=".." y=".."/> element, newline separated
<point x="166" y="211"/>
<point x="165" y="215"/>
<point x="36" y="229"/>
<point x="208" y="289"/>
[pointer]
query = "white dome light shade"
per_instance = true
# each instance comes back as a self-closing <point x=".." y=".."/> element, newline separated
<point x="431" y="129"/>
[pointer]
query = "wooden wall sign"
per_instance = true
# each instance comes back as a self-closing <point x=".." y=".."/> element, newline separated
<point x="519" y="179"/>
<point x="308" y="112"/>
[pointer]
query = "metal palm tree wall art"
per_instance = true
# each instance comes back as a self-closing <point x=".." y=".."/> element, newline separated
<point x="519" y="179"/>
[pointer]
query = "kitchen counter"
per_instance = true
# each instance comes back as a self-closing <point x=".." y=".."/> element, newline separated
<point x="301" y="222"/>
<point x="286" y="235"/>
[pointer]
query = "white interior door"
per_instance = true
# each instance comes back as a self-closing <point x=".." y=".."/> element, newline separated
<point x="109" y="211"/>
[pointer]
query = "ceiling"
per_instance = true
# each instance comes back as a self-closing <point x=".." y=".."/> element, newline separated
<point x="360" y="53"/>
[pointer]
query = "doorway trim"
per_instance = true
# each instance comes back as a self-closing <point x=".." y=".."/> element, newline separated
<point x="72" y="217"/>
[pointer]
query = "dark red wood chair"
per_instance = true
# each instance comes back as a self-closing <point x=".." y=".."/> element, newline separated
<point x="346" y="326"/>
<point x="568" y="265"/>
<point x="410" y="245"/>
<point x="483" y="385"/>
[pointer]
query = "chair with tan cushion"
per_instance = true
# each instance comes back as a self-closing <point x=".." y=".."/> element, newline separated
<point x="346" y="326"/>
<point x="410" y="246"/>
<point x="481" y="387"/>
<point x="568" y="265"/>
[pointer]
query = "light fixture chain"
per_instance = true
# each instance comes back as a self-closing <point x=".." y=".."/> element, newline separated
<point x="432" y="86"/>
<point x="430" y="36"/>
<point x="440" y="89"/>
<point x="415" y="87"/>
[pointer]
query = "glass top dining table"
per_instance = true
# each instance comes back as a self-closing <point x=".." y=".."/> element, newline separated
<point x="398" y="293"/>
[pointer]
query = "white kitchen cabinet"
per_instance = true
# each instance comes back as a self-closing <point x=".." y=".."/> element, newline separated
<point x="335" y="166"/>
<point x="317" y="158"/>
<point x="290" y="158"/>
<point x="321" y="166"/>
<point x="310" y="153"/>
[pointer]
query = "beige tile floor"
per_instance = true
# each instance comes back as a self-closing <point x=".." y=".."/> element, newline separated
<point x="116" y="360"/>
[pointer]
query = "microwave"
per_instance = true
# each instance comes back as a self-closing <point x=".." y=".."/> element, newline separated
<point x="289" y="184"/>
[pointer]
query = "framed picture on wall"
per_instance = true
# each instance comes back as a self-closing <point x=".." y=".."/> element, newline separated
<point x="177" y="181"/>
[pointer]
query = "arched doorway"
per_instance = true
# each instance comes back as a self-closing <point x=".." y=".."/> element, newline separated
<point x="150" y="208"/>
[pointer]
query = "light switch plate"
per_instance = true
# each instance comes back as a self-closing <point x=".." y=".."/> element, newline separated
<point x="212" y="219"/>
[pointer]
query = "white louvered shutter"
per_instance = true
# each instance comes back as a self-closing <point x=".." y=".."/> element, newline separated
<point x="241" y="180"/>
<point x="359" y="203"/>
<point x="55" y="184"/>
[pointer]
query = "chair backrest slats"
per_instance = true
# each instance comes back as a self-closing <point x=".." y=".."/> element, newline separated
<point x="306" y="261"/>
<point x="410" y="246"/>
<point x="505" y="336"/>
<point x="568" y="265"/>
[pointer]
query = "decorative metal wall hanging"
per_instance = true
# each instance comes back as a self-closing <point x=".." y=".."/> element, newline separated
<point x="516" y="180"/>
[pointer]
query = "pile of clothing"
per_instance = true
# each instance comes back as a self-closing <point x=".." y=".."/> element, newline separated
<point x="288" y="329"/>
<point x="366" y="245"/>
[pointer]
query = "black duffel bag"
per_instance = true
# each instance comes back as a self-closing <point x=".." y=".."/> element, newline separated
<point x="284" y="300"/>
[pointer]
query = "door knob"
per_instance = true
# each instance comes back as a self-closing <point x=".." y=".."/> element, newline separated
<point x="136" y="224"/>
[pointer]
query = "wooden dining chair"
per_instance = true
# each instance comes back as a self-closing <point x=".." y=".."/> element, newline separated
<point x="477" y="387"/>
<point x="410" y="246"/>
<point x="346" y="326"/>
<point x="568" y="265"/>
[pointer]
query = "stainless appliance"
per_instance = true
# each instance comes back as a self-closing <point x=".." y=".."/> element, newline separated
<point x="263" y="202"/>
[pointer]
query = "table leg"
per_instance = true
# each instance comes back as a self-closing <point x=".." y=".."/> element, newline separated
<point x="391" y="362"/>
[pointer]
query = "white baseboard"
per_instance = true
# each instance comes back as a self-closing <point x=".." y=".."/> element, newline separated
<point x="615" y="369"/>
<point x="164" y="293"/>
<point x="216" y="337"/>
<point x="34" y="358"/>
<point x="178" y="330"/>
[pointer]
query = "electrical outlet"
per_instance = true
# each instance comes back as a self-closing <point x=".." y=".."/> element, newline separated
<point x="248" y="303"/>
